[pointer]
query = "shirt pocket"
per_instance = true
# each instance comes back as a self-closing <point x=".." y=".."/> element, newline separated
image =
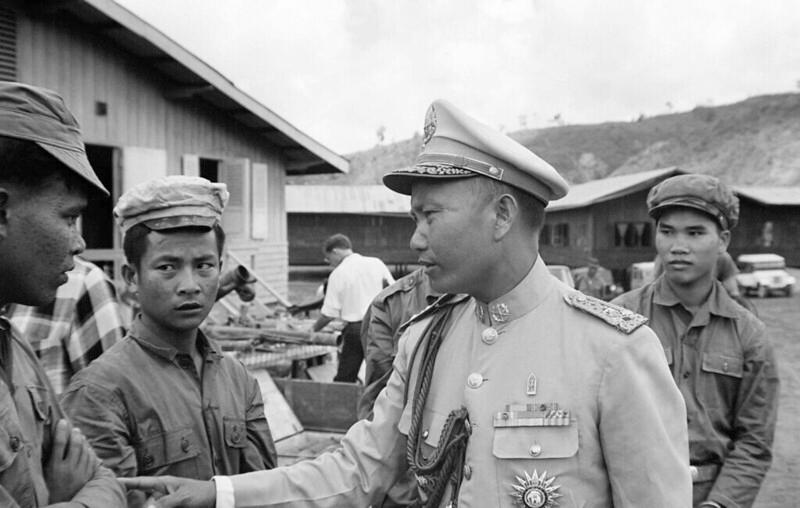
<point x="156" y="454"/>
<point x="557" y="442"/>
<point x="721" y="376"/>
<point x="235" y="432"/>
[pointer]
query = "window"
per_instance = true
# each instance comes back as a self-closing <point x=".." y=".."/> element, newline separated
<point x="544" y="235"/>
<point x="8" y="45"/>
<point x="561" y="235"/>
<point x="633" y="234"/>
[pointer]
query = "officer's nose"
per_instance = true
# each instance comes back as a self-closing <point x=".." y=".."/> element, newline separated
<point x="418" y="241"/>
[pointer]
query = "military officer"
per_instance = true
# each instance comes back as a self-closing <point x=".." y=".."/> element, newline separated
<point x="523" y="392"/>
<point x="719" y="354"/>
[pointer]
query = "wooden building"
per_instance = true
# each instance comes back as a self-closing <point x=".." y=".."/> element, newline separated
<point x="148" y="108"/>
<point x="769" y="222"/>
<point x="374" y="218"/>
<point x="606" y="219"/>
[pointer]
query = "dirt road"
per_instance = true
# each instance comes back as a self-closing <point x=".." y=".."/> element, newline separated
<point x="782" y="317"/>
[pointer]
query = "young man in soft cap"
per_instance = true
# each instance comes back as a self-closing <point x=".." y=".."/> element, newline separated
<point x="719" y="355"/>
<point x="45" y="179"/>
<point x="166" y="400"/>
<point x="521" y="393"/>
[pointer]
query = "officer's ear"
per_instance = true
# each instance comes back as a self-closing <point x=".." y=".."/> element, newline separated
<point x="506" y="212"/>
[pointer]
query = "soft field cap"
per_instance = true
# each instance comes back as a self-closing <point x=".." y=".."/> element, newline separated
<point x="39" y="115"/>
<point x="455" y="145"/>
<point x="172" y="202"/>
<point x="701" y="192"/>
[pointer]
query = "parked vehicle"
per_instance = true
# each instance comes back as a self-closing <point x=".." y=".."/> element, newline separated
<point x="562" y="273"/>
<point x="763" y="275"/>
<point x="642" y="273"/>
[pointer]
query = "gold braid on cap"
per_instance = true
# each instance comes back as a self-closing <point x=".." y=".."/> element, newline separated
<point x="437" y="170"/>
<point x="444" y="466"/>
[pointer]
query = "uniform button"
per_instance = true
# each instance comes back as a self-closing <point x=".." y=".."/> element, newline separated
<point x="184" y="445"/>
<point x="425" y="434"/>
<point x="725" y="367"/>
<point x="148" y="460"/>
<point x="475" y="380"/>
<point x="686" y="374"/>
<point x="14" y="443"/>
<point x="535" y="450"/>
<point x="489" y="336"/>
<point x="467" y="472"/>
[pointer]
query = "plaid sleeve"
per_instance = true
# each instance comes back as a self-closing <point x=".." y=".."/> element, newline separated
<point x="97" y="320"/>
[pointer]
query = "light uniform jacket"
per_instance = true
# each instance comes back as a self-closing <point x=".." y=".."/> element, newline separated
<point x="28" y="415"/>
<point x="625" y="444"/>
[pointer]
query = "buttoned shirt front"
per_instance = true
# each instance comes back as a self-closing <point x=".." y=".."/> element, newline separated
<point x="29" y="412"/>
<point x="725" y="368"/>
<point x="147" y="411"/>
<point x="352" y="285"/>
<point x="84" y="320"/>
<point x="557" y="400"/>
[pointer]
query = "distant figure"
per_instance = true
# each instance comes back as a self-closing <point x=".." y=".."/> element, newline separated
<point x="353" y="283"/>
<point x="84" y="320"/>
<point x="719" y="354"/>
<point x="166" y="400"/>
<point x="591" y="282"/>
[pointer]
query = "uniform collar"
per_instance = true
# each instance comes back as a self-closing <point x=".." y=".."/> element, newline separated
<point x="149" y="341"/>
<point x="719" y="302"/>
<point x="523" y="298"/>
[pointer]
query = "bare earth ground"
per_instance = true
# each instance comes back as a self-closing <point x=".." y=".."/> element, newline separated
<point x="781" y="315"/>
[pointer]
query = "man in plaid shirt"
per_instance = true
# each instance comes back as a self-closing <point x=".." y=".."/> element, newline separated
<point x="84" y="320"/>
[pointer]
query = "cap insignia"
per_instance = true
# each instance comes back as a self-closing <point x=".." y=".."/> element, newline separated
<point x="620" y="318"/>
<point x="430" y="126"/>
<point x="535" y="491"/>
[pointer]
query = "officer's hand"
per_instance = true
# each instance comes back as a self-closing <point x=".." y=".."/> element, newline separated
<point x="71" y="465"/>
<point x="172" y="492"/>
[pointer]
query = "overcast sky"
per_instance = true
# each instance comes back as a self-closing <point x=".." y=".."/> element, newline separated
<point x="341" y="69"/>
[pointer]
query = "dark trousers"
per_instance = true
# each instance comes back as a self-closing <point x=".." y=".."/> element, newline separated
<point x="352" y="353"/>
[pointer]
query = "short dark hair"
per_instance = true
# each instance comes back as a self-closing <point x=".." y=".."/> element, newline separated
<point x="134" y="244"/>
<point x="531" y="208"/>
<point x="24" y="163"/>
<point x="337" y="241"/>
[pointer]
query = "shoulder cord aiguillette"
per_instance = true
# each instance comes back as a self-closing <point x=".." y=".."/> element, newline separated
<point x="444" y="465"/>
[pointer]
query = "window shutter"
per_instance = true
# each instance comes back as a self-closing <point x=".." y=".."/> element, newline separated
<point x="235" y="174"/>
<point x="8" y="44"/>
<point x="190" y="165"/>
<point x="260" y="179"/>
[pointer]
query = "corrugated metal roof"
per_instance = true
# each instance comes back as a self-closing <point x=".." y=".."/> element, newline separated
<point x="361" y="199"/>
<point x="771" y="195"/>
<point x="596" y="191"/>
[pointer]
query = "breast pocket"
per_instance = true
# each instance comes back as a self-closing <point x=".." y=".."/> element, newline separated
<point x="721" y="375"/>
<point x="171" y="452"/>
<point x="235" y="432"/>
<point x="535" y="443"/>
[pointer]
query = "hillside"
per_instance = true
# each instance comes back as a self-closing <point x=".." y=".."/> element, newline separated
<point x="756" y="142"/>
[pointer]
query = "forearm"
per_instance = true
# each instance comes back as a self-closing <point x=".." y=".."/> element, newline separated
<point x="321" y="322"/>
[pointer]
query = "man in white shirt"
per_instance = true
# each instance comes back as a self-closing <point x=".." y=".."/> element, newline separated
<point x="353" y="283"/>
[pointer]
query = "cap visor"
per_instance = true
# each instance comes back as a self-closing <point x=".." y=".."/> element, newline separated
<point x="181" y="221"/>
<point x="402" y="182"/>
<point x="77" y="162"/>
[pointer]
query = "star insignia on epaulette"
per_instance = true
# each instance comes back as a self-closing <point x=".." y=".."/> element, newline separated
<point x="620" y="318"/>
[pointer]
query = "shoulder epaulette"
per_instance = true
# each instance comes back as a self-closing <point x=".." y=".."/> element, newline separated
<point x="442" y="302"/>
<point x="620" y="318"/>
